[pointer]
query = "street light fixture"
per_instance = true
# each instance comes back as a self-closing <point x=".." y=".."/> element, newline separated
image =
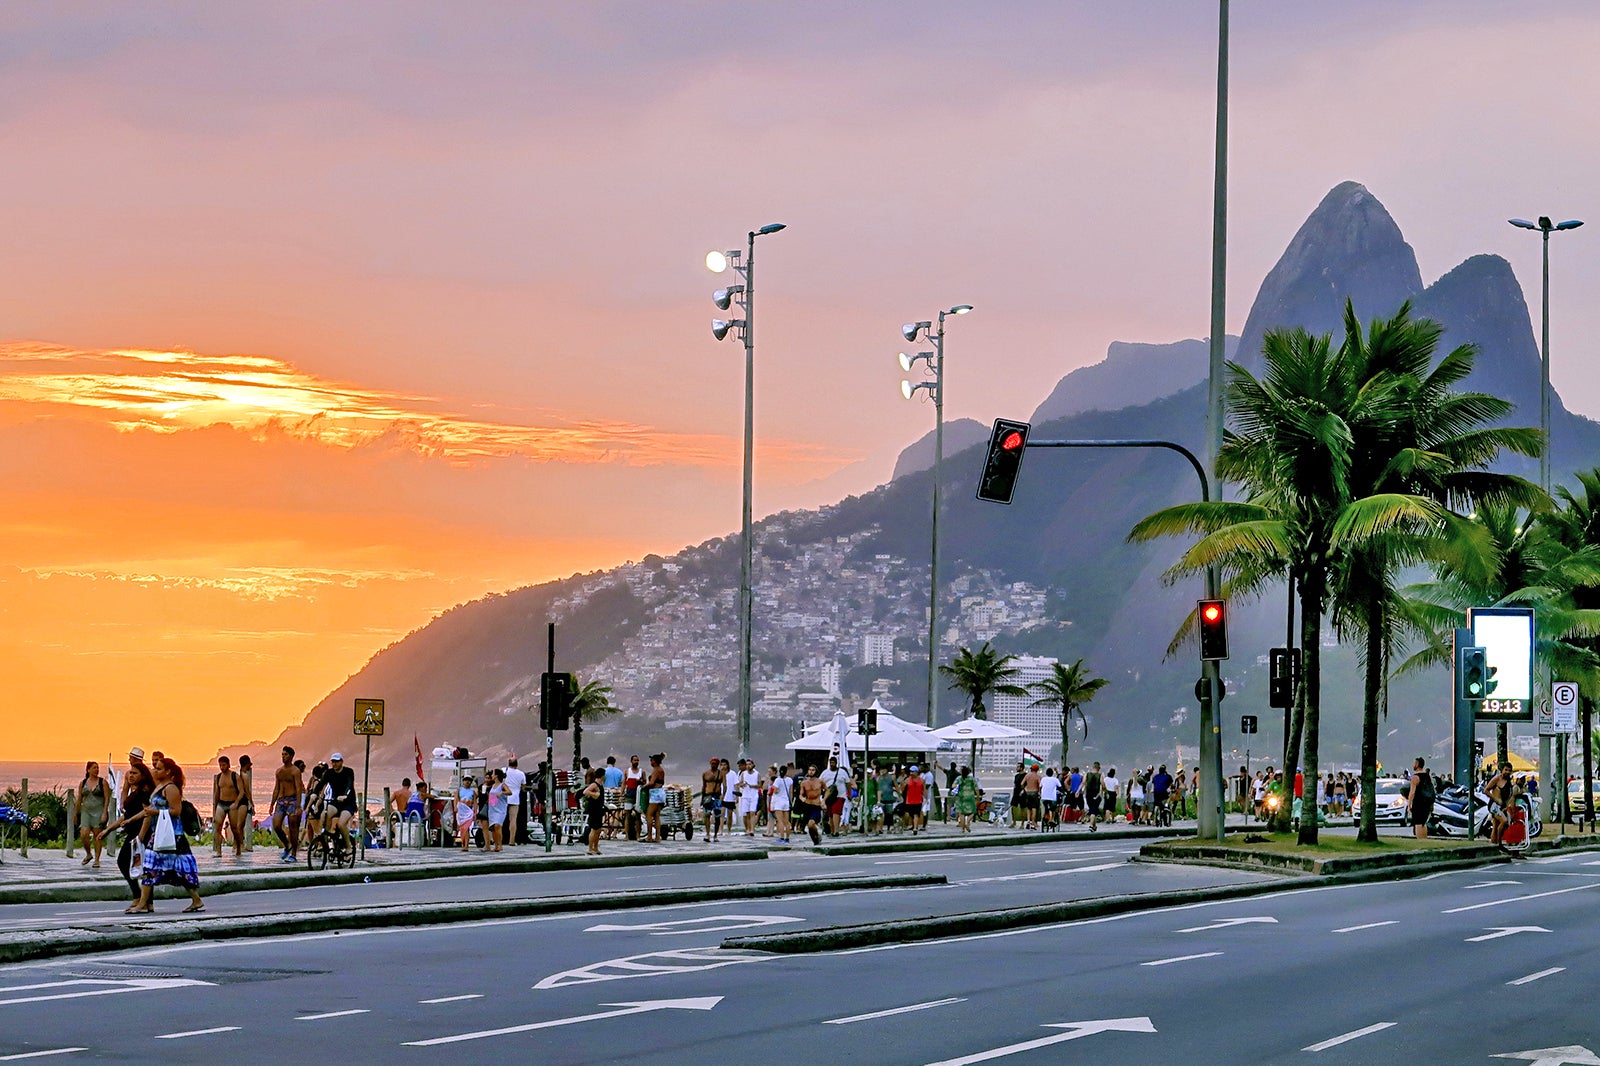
<point x="935" y="388"/>
<point x="1544" y="227"/>
<point x="744" y="266"/>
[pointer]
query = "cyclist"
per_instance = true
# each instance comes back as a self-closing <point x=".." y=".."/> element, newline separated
<point x="339" y="784"/>
<point x="1161" y="786"/>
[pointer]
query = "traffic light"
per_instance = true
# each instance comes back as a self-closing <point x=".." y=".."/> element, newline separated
<point x="867" y="721"/>
<point x="1472" y="674"/>
<point x="555" y="702"/>
<point x="1283" y="667"/>
<point x="1003" y="461"/>
<point x="1213" y="629"/>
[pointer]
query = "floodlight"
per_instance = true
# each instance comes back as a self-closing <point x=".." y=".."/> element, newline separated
<point x="1522" y="223"/>
<point x="1571" y="223"/>
<point x="716" y="262"/>
<point x="771" y="227"/>
<point x="720" y="327"/>
<point x="723" y="297"/>
<point x="960" y="309"/>
<point x="905" y="362"/>
<point x="909" y="330"/>
<point x="906" y="389"/>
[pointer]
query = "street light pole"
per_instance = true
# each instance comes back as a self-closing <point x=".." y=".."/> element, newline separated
<point x="744" y="295"/>
<point x="935" y="388"/>
<point x="1545" y="227"/>
<point x="1212" y="817"/>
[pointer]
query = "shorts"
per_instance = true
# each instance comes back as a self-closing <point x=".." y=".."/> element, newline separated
<point x="1420" y="812"/>
<point x="339" y="807"/>
<point x="710" y="804"/>
<point x="1030" y="801"/>
<point x="778" y="803"/>
<point x="1050" y="808"/>
<point x="836" y="805"/>
<point x="748" y="803"/>
<point x="808" y="812"/>
<point x="1094" y="806"/>
<point x="288" y="808"/>
<point x="658" y="796"/>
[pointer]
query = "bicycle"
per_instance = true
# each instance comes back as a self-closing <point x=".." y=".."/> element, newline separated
<point x="331" y="845"/>
<point x="1162" y="815"/>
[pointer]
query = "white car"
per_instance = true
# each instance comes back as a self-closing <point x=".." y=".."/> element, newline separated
<point x="1390" y="799"/>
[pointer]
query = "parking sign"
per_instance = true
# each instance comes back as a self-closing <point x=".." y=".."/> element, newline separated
<point x="1564" y="701"/>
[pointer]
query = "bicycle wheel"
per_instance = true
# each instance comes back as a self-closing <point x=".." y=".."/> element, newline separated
<point x="351" y="853"/>
<point x="317" y="853"/>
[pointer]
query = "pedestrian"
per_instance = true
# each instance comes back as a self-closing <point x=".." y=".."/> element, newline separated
<point x="1419" y="799"/>
<point x="913" y="803"/>
<point x="1017" y="778"/>
<point x="1093" y="787"/>
<point x="516" y="821"/>
<point x="730" y="794"/>
<point x="633" y="795"/>
<point x="169" y="860"/>
<point x="711" y="781"/>
<point x="466" y="811"/>
<point x="656" y="784"/>
<point x="287" y="794"/>
<point x="886" y="797"/>
<point x="930" y="792"/>
<point x="1112" y="791"/>
<point x="1050" y="796"/>
<point x="227" y="808"/>
<point x="1180" y="794"/>
<point x="749" y="795"/>
<point x="951" y="776"/>
<point x="499" y="806"/>
<point x="135" y="762"/>
<point x="1030" y="797"/>
<point x="594" y="807"/>
<point x="481" y="808"/>
<point x="836" y="785"/>
<point x="811" y="804"/>
<point x="1135" y="798"/>
<point x="247" y="777"/>
<point x="137" y="788"/>
<point x="780" y="801"/>
<point x="91" y="808"/>
<point x="966" y="791"/>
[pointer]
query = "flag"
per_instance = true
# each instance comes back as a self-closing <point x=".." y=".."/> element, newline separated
<point x="416" y="746"/>
<point x="1030" y="757"/>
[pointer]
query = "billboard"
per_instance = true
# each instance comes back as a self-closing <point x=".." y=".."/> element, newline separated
<point x="1506" y="636"/>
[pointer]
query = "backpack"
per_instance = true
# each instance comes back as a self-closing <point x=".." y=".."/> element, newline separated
<point x="191" y="820"/>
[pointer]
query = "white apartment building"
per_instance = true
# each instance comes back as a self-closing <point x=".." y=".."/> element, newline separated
<point x="1044" y="723"/>
<point x="830" y="678"/>
<point x="877" y="649"/>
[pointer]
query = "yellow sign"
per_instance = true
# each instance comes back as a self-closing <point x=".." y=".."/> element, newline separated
<point x="369" y="718"/>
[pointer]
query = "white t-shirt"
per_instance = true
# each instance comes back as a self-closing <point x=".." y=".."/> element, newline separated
<point x="830" y="776"/>
<point x="730" y="786"/>
<point x="1111" y="784"/>
<point x="1050" y="789"/>
<point x="517" y="780"/>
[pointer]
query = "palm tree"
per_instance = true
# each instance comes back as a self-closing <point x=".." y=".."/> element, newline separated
<point x="590" y="699"/>
<point x="977" y="673"/>
<point x="1069" y="688"/>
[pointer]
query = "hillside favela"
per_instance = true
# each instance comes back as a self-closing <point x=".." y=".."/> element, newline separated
<point x="1150" y="546"/>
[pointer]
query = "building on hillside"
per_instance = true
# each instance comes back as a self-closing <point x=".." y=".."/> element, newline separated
<point x="1044" y="723"/>
<point x="830" y="678"/>
<point x="877" y="649"/>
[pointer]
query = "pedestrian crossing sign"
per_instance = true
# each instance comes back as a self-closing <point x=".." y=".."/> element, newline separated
<point x="369" y="718"/>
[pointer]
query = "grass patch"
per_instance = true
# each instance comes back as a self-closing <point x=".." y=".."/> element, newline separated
<point x="1328" y="847"/>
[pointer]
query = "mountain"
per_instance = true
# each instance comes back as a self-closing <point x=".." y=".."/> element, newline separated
<point x="1131" y="374"/>
<point x="959" y="435"/>
<point x="1050" y="574"/>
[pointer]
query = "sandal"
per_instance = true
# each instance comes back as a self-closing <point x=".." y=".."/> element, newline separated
<point x="136" y="909"/>
<point x="85" y="862"/>
<point x="194" y="908"/>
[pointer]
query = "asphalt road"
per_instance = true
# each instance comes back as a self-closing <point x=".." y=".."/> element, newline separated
<point x="1451" y="968"/>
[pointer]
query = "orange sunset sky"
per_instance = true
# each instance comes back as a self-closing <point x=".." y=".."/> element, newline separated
<point x="318" y="319"/>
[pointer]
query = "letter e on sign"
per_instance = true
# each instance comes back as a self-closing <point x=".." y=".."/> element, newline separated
<point x="369" y="718"/>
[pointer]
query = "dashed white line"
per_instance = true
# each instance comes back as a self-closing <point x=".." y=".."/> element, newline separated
<point x="1369" y="925"/>
<point x="1181" y="958"/>
<point x="1357" y="1034"/>
<point x="331" y="1014"/>
<point x="199" y="1032"/>
<point x="895" y="1010"/>
<point x="1519" y="899"/>
<point x="40" y="1054"/>
<point x="1532" y="977"/>
<point x="453" y="999"/>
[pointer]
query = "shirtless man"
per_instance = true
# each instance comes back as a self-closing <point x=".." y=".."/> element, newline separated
<point x="287" y="790"/>
<point x="809" y="807"/>
<point x="711" y="800"/>
<point x="1030" y="798"/>
<point x="228" y="807"/>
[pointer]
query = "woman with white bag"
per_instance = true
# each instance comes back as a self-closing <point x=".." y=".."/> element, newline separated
<point x="168" y="859"/>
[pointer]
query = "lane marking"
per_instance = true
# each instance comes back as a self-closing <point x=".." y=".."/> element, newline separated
<point x="1356" y="1035"/>
<point x="1181" y="958"/>
<point x="1498" y="931"/>
<point x="1369" y="925"/>
<point x="1228" y="923"/>
<point x="907" y="862"/>
<point x="716" y="923"/>
<point x="1519" y="899"/>
<point x="1039" y="874"/>
<point x="199" y="1032"/>
<point x="40" y="1054"/>
<point x="117" y="987"/>
<point x="1074" y="1030"/>
<point x="331" y="1014"/>
<point x="453" y="999"/>
<point x="684" y="960"/>
<point x="896" y="1010"/>
<point x="1532" y="977"/>
<point x="1491" y="884"/>
<point x="641" y="1007"/>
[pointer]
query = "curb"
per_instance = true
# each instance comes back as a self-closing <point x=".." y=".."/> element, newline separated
<point x="224" y="882"/>
<point x="942" y="843"/>
<point x="839" y="937"/>
<point x="52" y="943"/>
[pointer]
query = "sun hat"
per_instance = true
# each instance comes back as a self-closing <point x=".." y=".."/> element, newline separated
<point x="136" y="753"/>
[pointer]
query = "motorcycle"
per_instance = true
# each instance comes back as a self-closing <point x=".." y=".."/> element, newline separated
<point x="1450" y="814"/>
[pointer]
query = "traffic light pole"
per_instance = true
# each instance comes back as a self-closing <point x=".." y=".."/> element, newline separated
<point x="549" y="752"/>
<point x="1210" y="811"/>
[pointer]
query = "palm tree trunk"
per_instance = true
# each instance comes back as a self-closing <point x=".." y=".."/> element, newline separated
<point x="577" y="738"/>
<point x="1311" y="649"/>
<point x="1376" y="623"/>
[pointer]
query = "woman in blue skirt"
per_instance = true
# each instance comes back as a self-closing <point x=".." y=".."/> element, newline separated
<point x="174" y="867"/>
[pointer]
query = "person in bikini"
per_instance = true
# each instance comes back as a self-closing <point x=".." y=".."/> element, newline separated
<point x="287" y="790"/>
<point x="229" y="808"/>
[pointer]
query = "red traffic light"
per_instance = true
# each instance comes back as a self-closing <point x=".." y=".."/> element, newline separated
<point x="1212" y="612"/>
<point x="1213" y="629"/>
<point x="1012" y="441"/>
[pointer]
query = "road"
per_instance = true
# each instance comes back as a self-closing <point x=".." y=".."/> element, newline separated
<point x="1451" y="968"/>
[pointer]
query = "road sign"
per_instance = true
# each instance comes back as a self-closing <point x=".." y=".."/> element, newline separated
<point x="369" y="718"/>
<point x="1564" y="713"/>
<point x="1247" y="723"/>
<point x="1544" y="718"/>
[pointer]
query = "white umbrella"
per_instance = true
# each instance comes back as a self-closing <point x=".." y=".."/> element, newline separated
<point x="976" y="729"/>
<point x="841" y="735"/>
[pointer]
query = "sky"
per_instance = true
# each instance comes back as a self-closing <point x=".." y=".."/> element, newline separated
<point x="318" y="319"/>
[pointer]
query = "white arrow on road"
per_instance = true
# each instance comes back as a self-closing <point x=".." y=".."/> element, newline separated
<point x="1074" y="1031"/>
<point x="641" y="1007"/>
<point x="1555" y="1056"/>
<point x="719" y="923"/>
<point x="1223" y="923"/>
<point x="1491" y="884"/>
<point x="1498" y="931"/>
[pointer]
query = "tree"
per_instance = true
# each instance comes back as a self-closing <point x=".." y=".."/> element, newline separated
<point x="588" y="700"/>
<point x="1069" y="688"/>
<point x="977" y="673"/>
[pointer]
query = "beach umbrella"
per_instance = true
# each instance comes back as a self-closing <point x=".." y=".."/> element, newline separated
<point x="976" y="729"/>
